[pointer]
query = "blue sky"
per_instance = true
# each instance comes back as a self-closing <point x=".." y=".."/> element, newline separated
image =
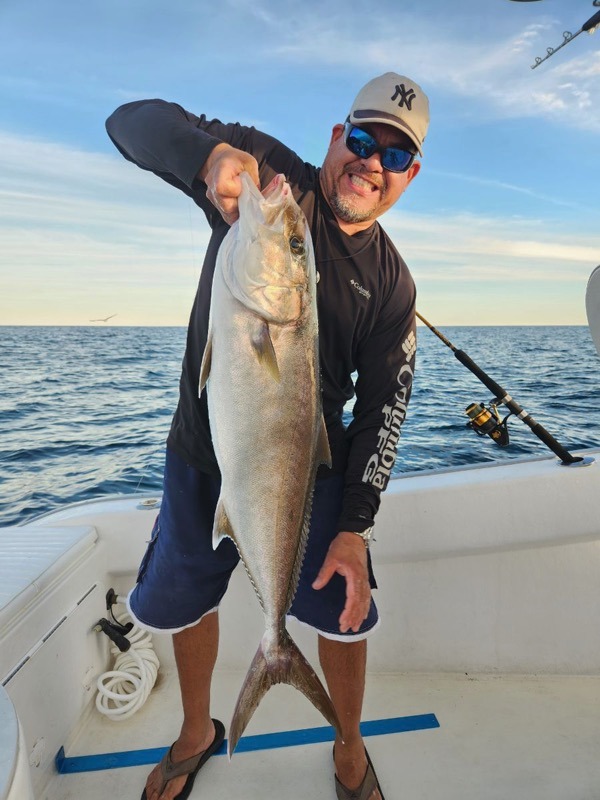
<point x="500" y="227"/>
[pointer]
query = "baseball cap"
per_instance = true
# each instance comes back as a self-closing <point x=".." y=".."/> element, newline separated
<point x="394" y="100"/>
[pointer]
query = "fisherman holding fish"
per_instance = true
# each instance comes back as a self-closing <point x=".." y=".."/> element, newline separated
<point x="259" y="421"/>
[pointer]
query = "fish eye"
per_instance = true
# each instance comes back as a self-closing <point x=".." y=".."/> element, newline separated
<point x="297" y="245"/>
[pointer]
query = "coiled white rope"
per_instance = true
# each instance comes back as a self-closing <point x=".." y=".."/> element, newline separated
<point x="124" y="689"/>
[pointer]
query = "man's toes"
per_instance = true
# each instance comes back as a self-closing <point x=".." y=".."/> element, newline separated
<point x="153" y="784"/>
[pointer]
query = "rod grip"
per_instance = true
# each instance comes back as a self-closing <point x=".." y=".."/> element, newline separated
<point x="551" y="442"/>
<point x="491" y="384"/>
<point x="592" y="22"/>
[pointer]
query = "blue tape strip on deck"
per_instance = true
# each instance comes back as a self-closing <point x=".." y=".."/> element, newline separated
<point x="247" y="744"/>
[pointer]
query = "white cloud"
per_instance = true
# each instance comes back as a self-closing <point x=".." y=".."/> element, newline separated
<point x="84" y="234"/>
<point x="529" y="36"/>
<point x="257" y="10"/>
<point x="582" y="67"/>
<point x="490" y="68"/>
<point x="75" y="224"/>
<point x="476" y="179"/>
<point x="470" y="248"/>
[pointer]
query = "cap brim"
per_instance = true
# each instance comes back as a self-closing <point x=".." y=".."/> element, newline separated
<point x="360" y="117"/>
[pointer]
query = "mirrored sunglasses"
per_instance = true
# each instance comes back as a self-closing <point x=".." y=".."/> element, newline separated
<point x="363" y="145"/>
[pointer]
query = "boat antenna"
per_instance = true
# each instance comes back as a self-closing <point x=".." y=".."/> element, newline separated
<point x="487" y="420"/>
<point x="589" y="26"/>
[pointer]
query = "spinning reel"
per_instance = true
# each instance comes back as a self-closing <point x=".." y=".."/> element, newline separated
<point x="486" y="421"/>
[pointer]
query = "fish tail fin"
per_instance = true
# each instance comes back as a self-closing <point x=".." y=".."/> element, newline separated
<point x="280" y="662"/>
<point x="299" y="673"/>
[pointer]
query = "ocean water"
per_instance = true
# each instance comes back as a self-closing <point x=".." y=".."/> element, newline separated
<point x="84" y="412"/>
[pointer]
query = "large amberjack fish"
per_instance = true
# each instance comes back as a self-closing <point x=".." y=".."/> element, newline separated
<point x="264" y="398"/>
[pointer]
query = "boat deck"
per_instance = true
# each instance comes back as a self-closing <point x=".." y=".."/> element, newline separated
<point x="496" y="737"/>
<point x="492" y="571"/>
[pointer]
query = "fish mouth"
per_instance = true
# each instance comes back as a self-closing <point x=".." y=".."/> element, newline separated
<point x="276" y="189"/>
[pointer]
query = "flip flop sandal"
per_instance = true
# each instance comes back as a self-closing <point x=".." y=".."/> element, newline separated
<point x="189" y="766"/>
<point x="366" y="788"/>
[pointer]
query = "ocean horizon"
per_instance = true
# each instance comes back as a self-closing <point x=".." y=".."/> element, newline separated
<point x="85" y="409"/>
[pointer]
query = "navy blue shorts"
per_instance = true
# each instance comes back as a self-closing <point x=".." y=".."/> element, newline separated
<point x="181" y="578"/>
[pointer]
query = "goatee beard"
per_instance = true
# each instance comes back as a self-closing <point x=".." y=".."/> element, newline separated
<point x="344" y="209"/>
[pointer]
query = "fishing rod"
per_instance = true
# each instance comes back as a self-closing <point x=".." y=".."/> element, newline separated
<point x="589" y="26"/>
<point x="486" y="421"/>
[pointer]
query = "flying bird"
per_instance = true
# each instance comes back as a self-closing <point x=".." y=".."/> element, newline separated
<point x="103" y="319"/>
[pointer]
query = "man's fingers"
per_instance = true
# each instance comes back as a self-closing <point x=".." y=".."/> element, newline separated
<point x="228" y="209"/>
<point x="326" y="573"/>
<point x="251" y="167"/>
<point x="223" y="181"/>
<point x="358" y="594"/>
<point x="346" y="557"/>
<point x="358" y="602"/>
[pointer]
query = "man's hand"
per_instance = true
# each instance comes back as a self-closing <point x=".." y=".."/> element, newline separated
<point x="221" y="174"/>
<point x="347" y="555"/>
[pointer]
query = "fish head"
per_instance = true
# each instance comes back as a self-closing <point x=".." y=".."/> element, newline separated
<point x="270" y="266"/>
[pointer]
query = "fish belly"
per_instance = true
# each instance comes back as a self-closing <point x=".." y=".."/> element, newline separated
<point x="264" y="432"/>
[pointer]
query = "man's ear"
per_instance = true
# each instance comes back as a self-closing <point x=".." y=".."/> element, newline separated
<point x="413" y="171"/>
<point x="336" y="133"/>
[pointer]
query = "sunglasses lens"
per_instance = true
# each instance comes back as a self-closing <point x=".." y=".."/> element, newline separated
<point x="361" y="143"/>
<point x="396" y="160"/>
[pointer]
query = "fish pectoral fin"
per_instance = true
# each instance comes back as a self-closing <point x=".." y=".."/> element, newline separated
<point x="206" y="363"/>
<point x="222" y="526"/>
<point x="263" y="347"/>
<point x="323" y="454"/>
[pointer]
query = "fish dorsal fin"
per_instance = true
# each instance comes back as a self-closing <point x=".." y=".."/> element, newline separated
<point x="222" y="526"/>
<point x="206" y="363"/>
<point x="323" y="454"/>
<point x="263" y="347"/>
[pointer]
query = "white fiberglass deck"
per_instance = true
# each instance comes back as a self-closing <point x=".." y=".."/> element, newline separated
<point x="491" y="571"/>
<point x="498" y="737"/>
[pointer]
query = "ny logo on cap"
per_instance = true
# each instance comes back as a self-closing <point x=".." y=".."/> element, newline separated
<point x="406" y="96"/>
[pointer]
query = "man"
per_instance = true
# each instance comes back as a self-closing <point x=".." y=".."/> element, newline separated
<point x="366" y="302"/>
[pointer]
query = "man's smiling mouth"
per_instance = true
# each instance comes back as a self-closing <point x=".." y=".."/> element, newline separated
<point x="363" y="183"/>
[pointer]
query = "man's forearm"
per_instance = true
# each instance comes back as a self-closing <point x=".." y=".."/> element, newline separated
<point x="161" y="137"/>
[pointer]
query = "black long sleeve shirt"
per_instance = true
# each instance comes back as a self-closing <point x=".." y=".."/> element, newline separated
<point x="365" y="296"/>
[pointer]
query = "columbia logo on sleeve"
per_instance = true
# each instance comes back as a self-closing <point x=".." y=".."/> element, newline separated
<point x="379" y="466"/>
<point x="410" y="346"/>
